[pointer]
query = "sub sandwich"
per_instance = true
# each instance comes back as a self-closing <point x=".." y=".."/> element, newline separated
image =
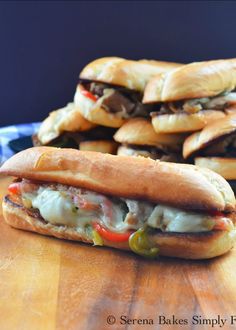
<point x="214" y="147"/>
<point x="131" y="203"/>
<point x="111" y="89"/>
<point x="67" y="128"/>
<point x="138" y="138"/>
<point x="191" y="96"/>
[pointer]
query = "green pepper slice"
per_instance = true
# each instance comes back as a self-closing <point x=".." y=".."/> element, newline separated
<point x="141" y="245"/>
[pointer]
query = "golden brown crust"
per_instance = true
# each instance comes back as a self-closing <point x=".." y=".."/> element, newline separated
<point x="130" y="74"/>
<point x="209" y="134"/>
<point x="180" y="185"/>
<point x="67" y="119"/>
<point x="194" y="246"/>
<point x="140" y="131"/>
<point x="194" y="80"/>
<point x="163" y="64"/>
<point x="104" y="146"/>
<point x="94" y="113"/>
<point x="183" y="122"/>
<point x="189" y="246"/>
<point x="226" y="167"/>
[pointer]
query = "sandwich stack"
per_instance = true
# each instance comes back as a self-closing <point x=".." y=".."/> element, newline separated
<point x="190" y="97"/>
<point x="109" y="92"/>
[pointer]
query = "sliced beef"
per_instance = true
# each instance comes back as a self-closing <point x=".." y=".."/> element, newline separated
<point x="220" y="102"/>
<point x="128" y="105"/>
<point x="114" y="101"/>
<point x="120" y="100"/>
<point x="97" y="88"/>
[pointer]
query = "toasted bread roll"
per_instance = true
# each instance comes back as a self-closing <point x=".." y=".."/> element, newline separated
<point x="104" y="146"/>
<point x="211" y="133"/>
<point x="195" y="246"/>
<point x="139" y="131"/>
<point x="123" y="202"/>
<point x="67" y="119"/>
<point x="184" y="245"/>
<point x="180" y="185"/>
<point x="194" y="80"/>
<point x="130" y="74"/>
<point x="111" y="88"/>
<point x="226" y="167"/>
<point x="182" y="122"/>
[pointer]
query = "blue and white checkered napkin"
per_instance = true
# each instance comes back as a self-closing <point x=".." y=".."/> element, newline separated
<point x="9" y="133"/>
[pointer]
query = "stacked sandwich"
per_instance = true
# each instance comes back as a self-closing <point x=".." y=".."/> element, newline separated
<point x="138" y="138"/>
<point x="199" y="98"/>
<point x="214" y="147"/>
<point x="190" y="97"/>
<point x="149" y="108"/>
<point x="109" y="92"/>
<point x="182" y="101"/>
<point x="142" y="108"/>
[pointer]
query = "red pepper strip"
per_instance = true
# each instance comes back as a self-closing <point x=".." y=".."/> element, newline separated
<point x="222" y="224"/>
<point x="111" y="236"/>
<point x="89" y="95"/>
<point x="14" y="188"/>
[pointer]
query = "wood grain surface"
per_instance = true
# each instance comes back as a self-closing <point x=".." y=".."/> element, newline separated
<point x="46" y="283"/>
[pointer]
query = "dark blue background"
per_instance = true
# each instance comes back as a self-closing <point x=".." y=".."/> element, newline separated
<point x="44" y="45"/>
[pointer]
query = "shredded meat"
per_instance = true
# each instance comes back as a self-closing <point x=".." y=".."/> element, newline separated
<point x="220" y="102"/>
<point x="122" y="101"/>
<point x="117" y="102"/>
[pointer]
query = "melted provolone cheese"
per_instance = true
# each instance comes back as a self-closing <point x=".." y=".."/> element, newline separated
<point x="83" y="102"/>
<point x="175" y="220"/>
<point x="58" y="207"/>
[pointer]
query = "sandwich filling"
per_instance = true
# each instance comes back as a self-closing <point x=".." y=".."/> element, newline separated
<point x="96" y="217"/>
<point x="74" y="207"/>
<point x="120" y="101"/>
<point x="221" y="102"/>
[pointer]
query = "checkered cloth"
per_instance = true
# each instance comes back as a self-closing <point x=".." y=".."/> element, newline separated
<point x="9" y="133"/>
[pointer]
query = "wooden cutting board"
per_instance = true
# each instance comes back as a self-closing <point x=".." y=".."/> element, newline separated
<point x="46" y="283"/>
